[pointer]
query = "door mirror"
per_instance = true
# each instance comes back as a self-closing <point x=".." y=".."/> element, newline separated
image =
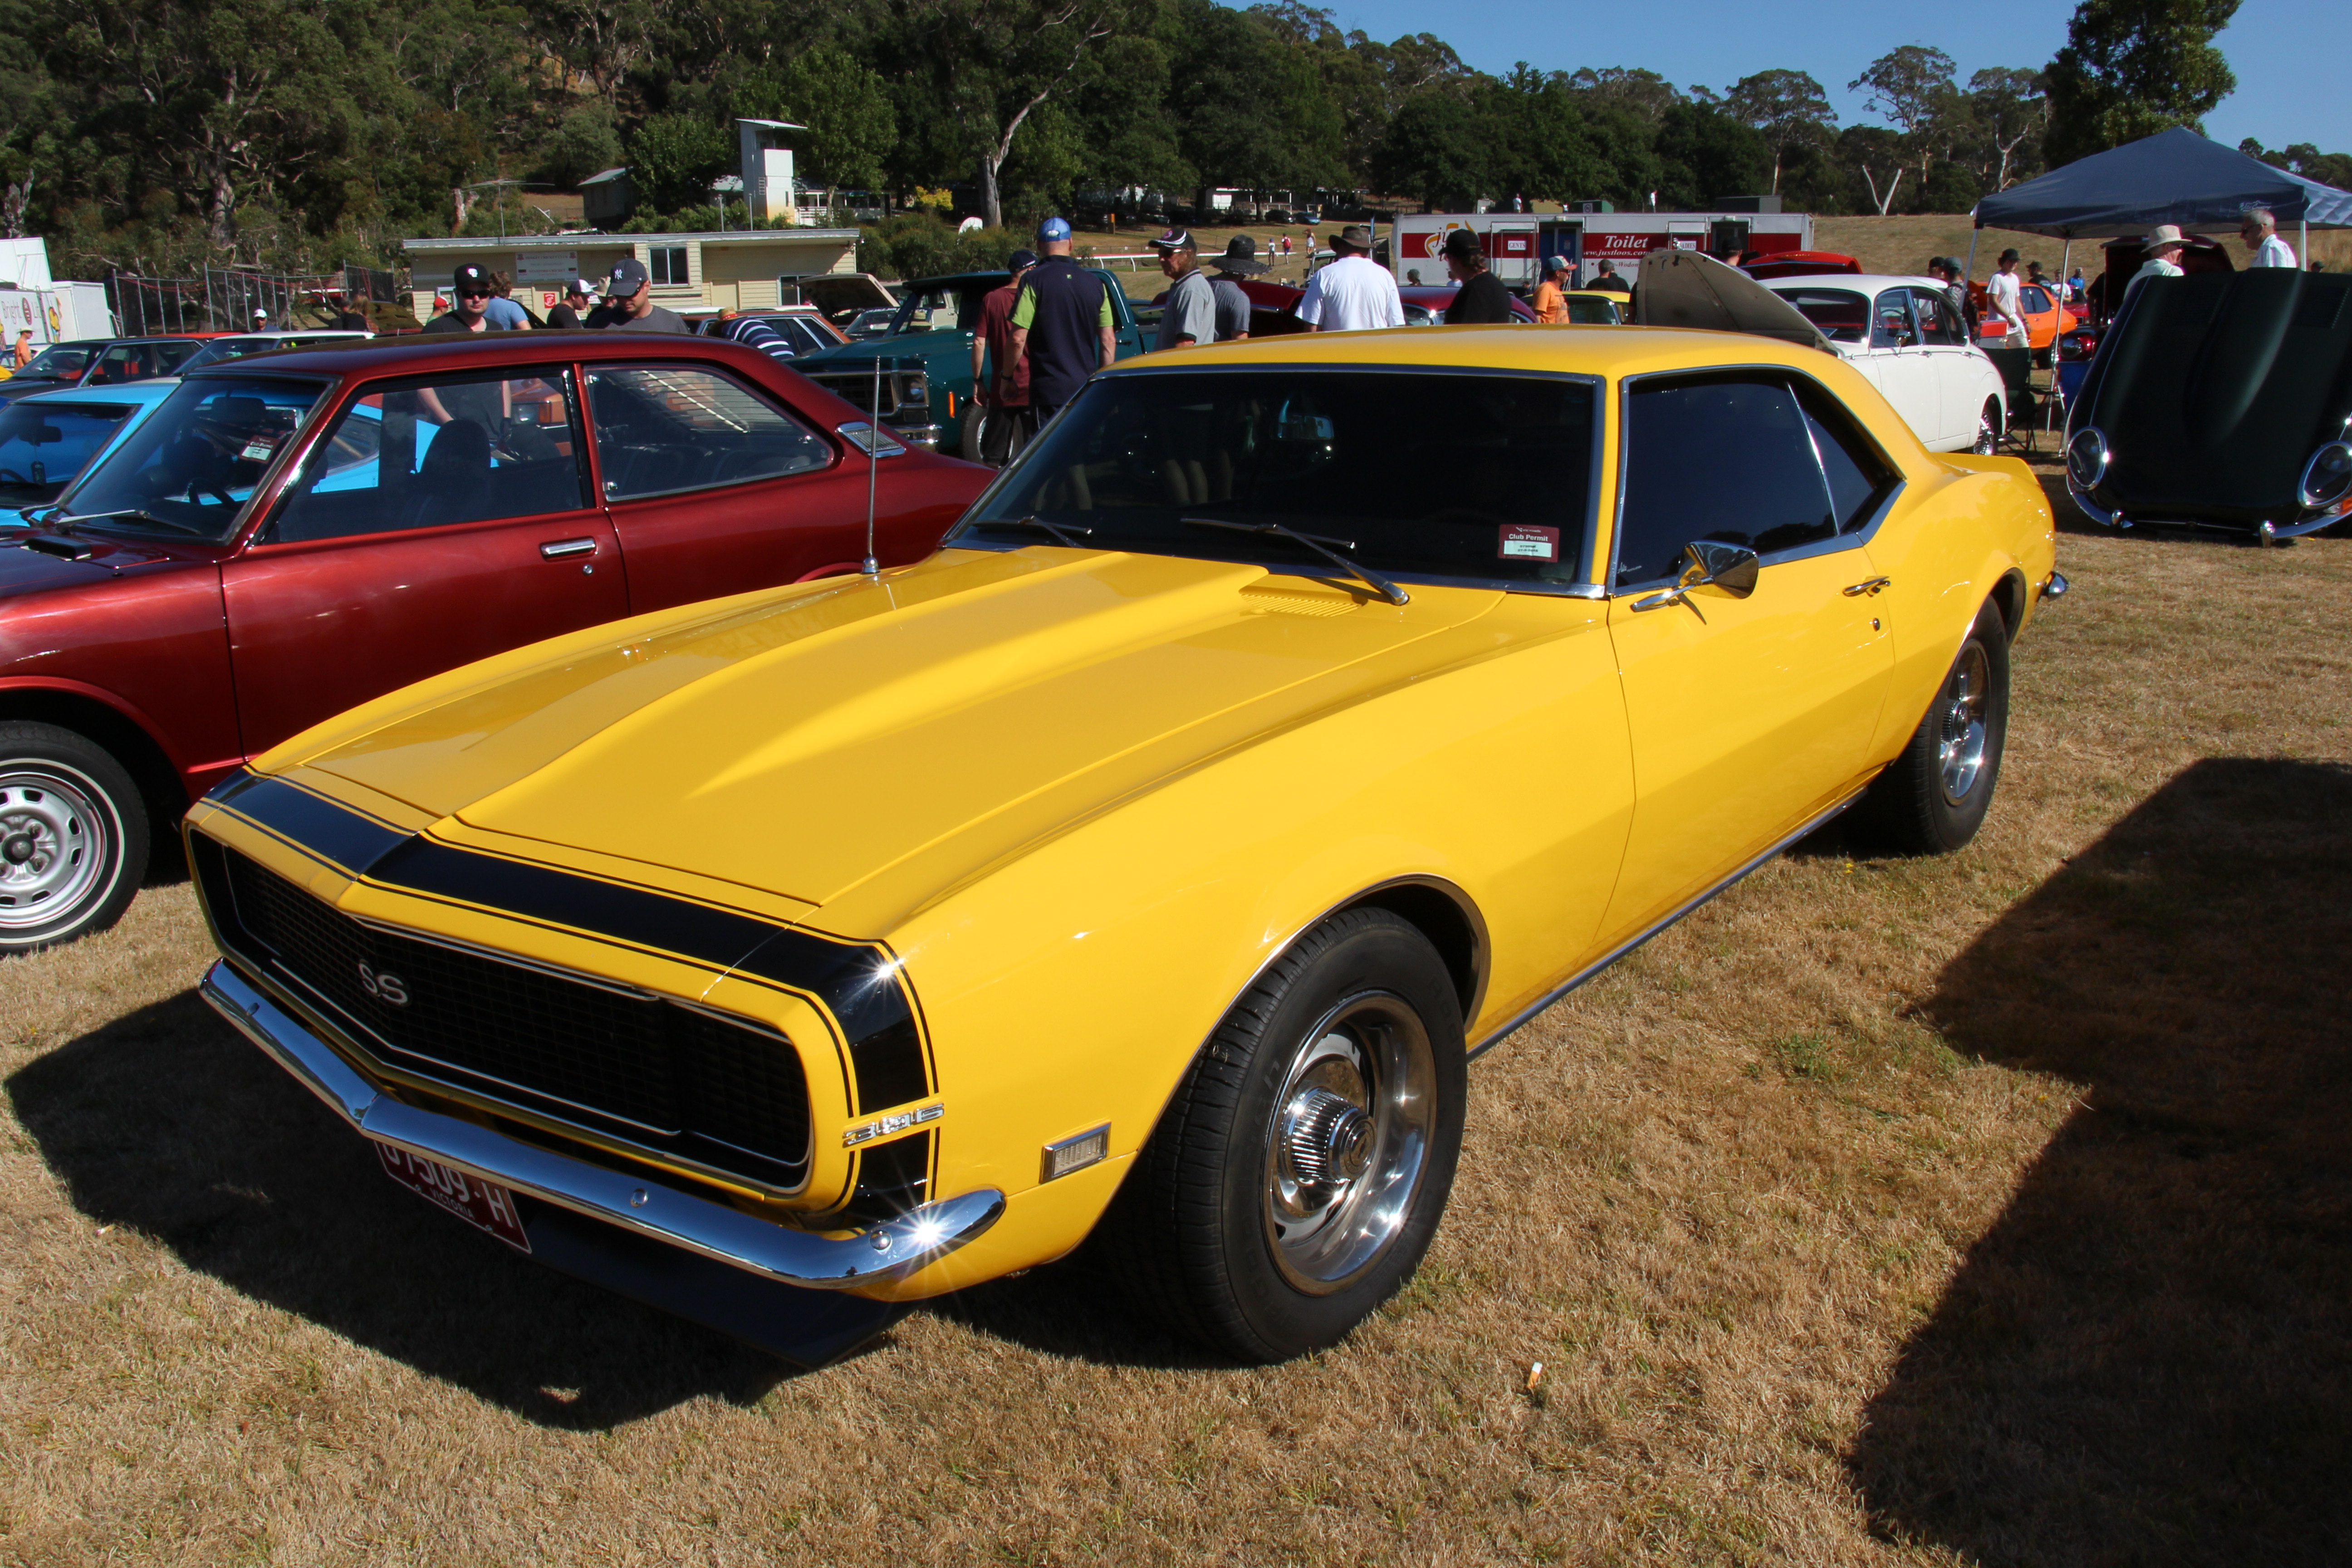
<point x="1711" y="564"/>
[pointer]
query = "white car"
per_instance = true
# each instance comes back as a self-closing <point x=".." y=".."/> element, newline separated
<point x="1906" y="336"/>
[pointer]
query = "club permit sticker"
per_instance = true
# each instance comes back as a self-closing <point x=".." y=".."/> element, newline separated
<point x="260" y="449"/>
<point x="1527" y="541"/>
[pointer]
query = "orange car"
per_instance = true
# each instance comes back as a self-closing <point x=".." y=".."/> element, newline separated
<point x="2045" y="318"/>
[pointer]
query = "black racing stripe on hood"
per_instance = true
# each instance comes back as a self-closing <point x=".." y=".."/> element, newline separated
<point x="860" y="984"/>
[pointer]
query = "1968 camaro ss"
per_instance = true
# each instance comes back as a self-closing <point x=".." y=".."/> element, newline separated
<point x="1290" y="723"/>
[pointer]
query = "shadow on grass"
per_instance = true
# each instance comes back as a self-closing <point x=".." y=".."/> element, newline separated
<point x="166" y="1122"/>
<point x="2145" y="1359"/>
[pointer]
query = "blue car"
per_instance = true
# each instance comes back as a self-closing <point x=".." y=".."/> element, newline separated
<point x="49" y="438"/>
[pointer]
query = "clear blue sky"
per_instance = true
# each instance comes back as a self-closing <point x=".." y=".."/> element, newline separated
<point x="2290" y="55"/>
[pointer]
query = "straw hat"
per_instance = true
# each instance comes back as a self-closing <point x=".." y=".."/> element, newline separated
<point x="2163" y="235"/>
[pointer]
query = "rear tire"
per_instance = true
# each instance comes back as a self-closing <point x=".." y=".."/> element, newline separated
<point x="1934" y="797"/>
<point x="73" y="837"/>
<point x="1297" y="1175"/>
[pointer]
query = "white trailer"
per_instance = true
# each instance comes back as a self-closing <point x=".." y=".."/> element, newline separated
<point x="58" y="314"/>
<point x="1515" y="243"/>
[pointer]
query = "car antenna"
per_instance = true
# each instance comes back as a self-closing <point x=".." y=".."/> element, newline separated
<point x="873" y="568"/>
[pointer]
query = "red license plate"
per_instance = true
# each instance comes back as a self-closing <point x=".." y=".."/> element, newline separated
<point x="482" y="1204"/>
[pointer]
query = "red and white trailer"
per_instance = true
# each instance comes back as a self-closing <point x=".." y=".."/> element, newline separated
<point x="1515" y="243"/>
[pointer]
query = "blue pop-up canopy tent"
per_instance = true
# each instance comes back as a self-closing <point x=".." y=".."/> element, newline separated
<point x="2173" y="176"/>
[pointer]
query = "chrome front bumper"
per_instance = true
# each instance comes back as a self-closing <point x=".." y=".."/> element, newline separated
<point x="712" y="1230"/>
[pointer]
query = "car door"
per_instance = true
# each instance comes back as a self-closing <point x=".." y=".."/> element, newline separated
<point x="437" y="521"/>
<point x="1906" y="375"/>
<point x="1957" y="364"/>
<point x="1749" y="715"/>
<point x="715" y="486"/>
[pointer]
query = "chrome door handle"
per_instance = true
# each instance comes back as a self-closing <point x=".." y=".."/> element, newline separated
<point x="558" y="549"/>
<point x="1869" y="585"/>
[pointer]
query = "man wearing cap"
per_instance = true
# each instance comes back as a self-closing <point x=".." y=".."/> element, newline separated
<point x="1946" y="270"/>
<point x="1605" y="277"/>
<point x="1003" y="401"/>
<point x="260" y="319"/>
<point x="1354" y="292"/>
<point x="2163" y="246"/>
<point x="1551" y="294"/>
<point x="1062" y="323"/>
<point x="1239" y="261"/>
<point x="2001" y="292"/>
<point x="471" y="291"/>
<point x="2258" y="228"/>
<point x="629" y="301"/>
<point x="1188" y="312"/>
<point x="1482" y="300"/>
<point x="580" y="296"/>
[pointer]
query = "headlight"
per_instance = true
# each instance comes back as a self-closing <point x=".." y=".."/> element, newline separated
<point x="2087" y="458"/>
<point x="915" y="389"/>
<point x="2327" y="477"/>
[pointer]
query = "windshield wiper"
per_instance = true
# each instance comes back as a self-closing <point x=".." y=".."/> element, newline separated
<point x="1318" y="543"/>
<point x="1061" y="533"/>
<point x="136" y="514"/>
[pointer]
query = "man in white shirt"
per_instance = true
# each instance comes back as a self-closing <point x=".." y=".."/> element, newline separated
<point x="1354" y="292"/>
<point x="2163" y="246"/>
<point x="2001" y="294"/>
<point x="2259" y="229"/>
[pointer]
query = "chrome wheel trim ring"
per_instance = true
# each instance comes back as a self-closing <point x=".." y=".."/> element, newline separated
<point x="1963" y="730"/>
<point x="1348" y="1141"/>
<point x="57" y="837"/>
<point x="1987" y="438"/>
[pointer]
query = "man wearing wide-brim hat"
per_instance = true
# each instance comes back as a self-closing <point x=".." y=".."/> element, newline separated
<point x="1354" y="292"/>
<point x="1239" y="261"/>
<point x="2163" y="246"/>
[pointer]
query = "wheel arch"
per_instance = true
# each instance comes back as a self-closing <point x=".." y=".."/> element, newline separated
<point x="127" y="738"/>
<point x="1441" y="912"/>
<point x="2012" y="597"/>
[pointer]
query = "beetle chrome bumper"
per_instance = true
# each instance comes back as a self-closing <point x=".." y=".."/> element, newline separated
<point x="713" y="1230"/>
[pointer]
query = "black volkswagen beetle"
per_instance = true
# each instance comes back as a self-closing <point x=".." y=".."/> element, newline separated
<point x="2222" y="400"/>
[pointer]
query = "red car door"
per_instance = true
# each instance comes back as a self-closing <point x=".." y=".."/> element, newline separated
<point x="442" y="519"/>
<point x="715" y="486"/>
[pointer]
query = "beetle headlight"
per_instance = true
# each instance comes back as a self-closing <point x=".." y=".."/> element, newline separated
<point x="2327" y="477"/>
<point x="2087" y="458"/>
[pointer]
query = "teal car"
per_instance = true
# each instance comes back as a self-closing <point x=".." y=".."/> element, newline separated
<point x="925" y="360"/>
<point x="47" y="438"/>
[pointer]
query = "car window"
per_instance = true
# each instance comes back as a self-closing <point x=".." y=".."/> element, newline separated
<point x="1727" y="457"/>
<point x="440" y="449"/>
<point x="803" y="337"/>
<point x="1938" y="322"/>
<point x="43" y="445"/>
<point x="670" y="427"/>
<point x="191" y="468"/>
<point x="1479" y="476"/>
<point x="1890" y="324"/>
<point x="60" y="361"/>
<point x="1843" y="315"/>
<point x="1858" y="473"/>
<point x="1585" y="310"/>
<point x="2034" y="298"/>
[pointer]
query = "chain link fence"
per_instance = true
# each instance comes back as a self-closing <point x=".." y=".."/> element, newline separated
<point x="246" y="299"/>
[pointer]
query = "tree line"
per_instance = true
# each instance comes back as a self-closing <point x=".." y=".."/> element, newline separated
<point x="153" y="135"/>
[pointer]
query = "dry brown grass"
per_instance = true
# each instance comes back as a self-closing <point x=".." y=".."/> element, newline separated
<point x="1990" y="1208"/>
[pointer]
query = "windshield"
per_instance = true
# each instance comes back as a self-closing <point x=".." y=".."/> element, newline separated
<point x="44" y="446"/>
<point x="941" y="308"/>
<point x="1843" y="315"/>
<point x="62" y="361"/>
<point x="1481" y="476"/>
<point x="193" y="466"/>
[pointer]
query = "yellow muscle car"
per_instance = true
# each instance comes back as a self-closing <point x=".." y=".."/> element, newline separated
<point x="1293" y="721"/>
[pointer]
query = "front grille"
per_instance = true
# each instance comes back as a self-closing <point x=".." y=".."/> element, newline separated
<point x="857" y="386"/>
<point x="659" y="1073"/>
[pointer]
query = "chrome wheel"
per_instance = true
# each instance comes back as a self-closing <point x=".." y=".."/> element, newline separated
<point x="1964" y="732"/>
<point x="1988" y="433"/>
<point x="57" y="844"/>
<point x="1348" y="1141"/>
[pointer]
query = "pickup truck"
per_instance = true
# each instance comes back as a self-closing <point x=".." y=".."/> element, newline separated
<point x="926" y="377"/>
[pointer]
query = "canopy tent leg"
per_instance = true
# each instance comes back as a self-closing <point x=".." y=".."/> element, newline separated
<point x="2303" y="252"/>
<point x="2066" y="251"/>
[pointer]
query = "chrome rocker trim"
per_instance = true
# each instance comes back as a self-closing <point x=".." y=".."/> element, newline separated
<point x="712" y="1230"/>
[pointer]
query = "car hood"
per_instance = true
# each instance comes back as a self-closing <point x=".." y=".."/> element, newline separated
<point x="865" y="744"/>
<point x="1686" y="289"/>
<point x="25" y="569"/>
<point x="2214" y="391"/>
<point x="912" y="345"/>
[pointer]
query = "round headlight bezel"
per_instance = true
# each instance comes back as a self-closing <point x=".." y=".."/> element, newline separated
<point x="2306" y="488"/>
<point x="2087" y="449"/>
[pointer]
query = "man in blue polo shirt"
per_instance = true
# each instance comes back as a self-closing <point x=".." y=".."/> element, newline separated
<point x="1062" y="323"/>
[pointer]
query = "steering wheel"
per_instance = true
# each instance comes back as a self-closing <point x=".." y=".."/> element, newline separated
<point x="11" y="476"/>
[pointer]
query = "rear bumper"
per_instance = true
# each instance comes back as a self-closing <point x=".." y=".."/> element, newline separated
<point x="2265" y="532"/>
<point x="663" y="1214"/>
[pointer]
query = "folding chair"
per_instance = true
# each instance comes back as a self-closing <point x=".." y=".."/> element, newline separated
<point x="2016" y="367"/>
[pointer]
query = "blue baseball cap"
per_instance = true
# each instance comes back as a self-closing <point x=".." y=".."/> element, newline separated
<point x="1554" y="263"/>
<point x="1054" y="228"/>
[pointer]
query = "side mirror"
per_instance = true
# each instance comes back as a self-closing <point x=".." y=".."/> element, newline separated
<point x="1708" y="563"/>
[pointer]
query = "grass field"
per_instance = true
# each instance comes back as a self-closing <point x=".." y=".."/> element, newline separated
<point x="1993" y="1208"/>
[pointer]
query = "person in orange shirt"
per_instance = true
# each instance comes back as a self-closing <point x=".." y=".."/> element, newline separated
<point x="1552" y="304"/>
<point x="23" y="354"/>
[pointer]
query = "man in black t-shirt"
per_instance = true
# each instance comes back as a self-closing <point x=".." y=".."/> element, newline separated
<point x="1606" y="278"/>
<point x="579" y="297"/>
<point x="471" y="291"/>
<point x="1483" y="300"/>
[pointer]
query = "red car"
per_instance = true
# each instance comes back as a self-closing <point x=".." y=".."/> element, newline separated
<point x="293" y="534"/>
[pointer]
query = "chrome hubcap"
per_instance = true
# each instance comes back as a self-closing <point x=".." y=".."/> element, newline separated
<point x="1348" y="1141"/>
<point x="53" y="847"/>
<point x="1962" y="736"/>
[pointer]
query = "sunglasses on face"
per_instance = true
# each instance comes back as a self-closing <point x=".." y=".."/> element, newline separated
<point x="473" y="293"/>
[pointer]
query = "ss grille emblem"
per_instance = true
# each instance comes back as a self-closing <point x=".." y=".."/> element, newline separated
<point x="389" y="988"/>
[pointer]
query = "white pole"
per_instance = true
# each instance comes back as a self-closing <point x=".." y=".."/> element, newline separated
<point x="2302" y="255"/>
<point x="872" y="456"/>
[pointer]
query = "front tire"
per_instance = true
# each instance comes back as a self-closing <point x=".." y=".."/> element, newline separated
<point x="73" y="837"/>
<point x="1299" y="1172"/>
<point x="1934" y="797"/>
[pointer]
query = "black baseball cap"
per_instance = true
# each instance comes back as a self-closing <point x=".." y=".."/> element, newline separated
<point x="1463" y="244"/>
<point x="473" y="279"/>
<point x="1020" y="260"/>
<point x="1174" y="239"/>
<point x="627" y="277"/>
